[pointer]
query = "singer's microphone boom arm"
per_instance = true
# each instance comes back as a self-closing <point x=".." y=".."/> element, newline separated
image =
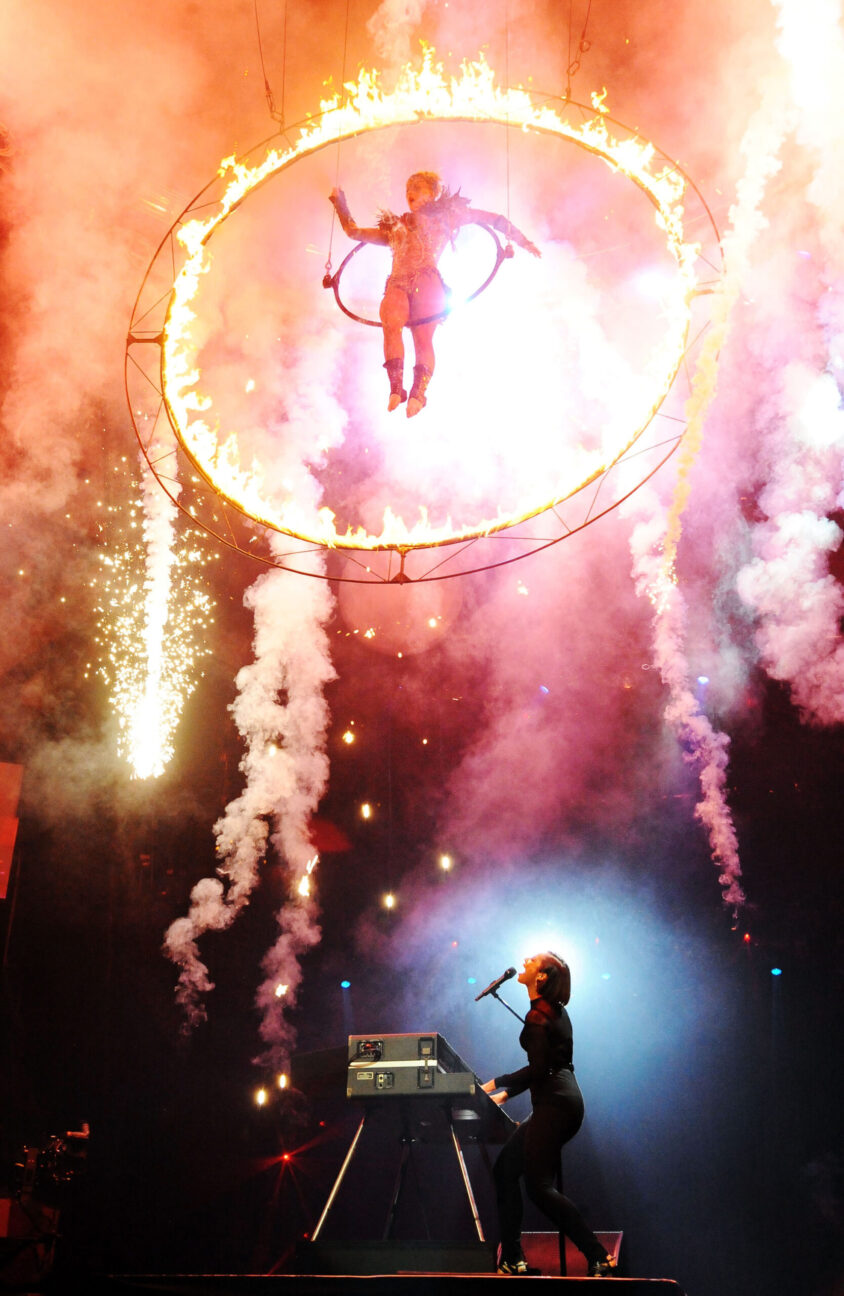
<point x="518" y="1016"/>
<point x="493" y="985"/>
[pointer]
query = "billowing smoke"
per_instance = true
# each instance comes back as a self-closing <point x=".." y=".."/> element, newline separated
<point x="392" y="27"/>
<point x="282" y="717"/>
<point x="550" y="656"/>
<point x="655" y="542"/>
<point x="703" y="746"/>
<point x="797" y="601"/>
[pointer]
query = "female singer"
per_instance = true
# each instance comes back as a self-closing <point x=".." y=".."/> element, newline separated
<point x="533" y="1151"/>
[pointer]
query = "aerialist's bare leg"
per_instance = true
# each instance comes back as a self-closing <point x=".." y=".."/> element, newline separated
<point x="395" y="311"/>
<point x="429" y="298"/>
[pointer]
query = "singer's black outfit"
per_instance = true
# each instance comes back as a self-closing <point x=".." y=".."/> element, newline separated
<point x="533" y="1151"/>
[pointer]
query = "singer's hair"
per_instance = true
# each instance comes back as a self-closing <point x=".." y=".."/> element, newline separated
<point x="556" y="987"/>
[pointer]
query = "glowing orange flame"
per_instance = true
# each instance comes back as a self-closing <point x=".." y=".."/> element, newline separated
<point x="421" y="93"/>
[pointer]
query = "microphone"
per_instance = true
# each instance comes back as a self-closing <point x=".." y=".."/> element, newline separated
<point x="493" y="985"/>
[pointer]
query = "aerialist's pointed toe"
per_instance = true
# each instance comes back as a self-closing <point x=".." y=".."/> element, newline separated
<point x="396" y="399"/>
<point x="421" y="378"/>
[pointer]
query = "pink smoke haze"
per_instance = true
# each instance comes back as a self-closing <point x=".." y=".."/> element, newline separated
<point x="580" y="673"/>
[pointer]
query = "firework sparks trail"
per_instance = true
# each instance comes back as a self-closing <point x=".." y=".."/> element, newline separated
<point x="282" y="715"/>
<point x="654" y="542"/>
<point x="150" y="629"/>
<point x="797" y="602"/>
<point x="159" y="535"/>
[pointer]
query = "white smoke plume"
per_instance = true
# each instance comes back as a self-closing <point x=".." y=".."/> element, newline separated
<point x="797" y="602"/>
<point x="654" y="542"/>
<point x="788" y="585"/>
<point x="282" y="716"/>
<point x="704" y="747"/>
<point x="392" y="27"/>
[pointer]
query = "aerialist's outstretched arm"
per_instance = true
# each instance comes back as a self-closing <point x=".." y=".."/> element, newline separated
<point x="356" y="232"/>
<point x="503" y="226"/>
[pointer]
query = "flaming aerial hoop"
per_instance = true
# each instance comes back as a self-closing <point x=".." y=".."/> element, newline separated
<point x="207" y="472"/>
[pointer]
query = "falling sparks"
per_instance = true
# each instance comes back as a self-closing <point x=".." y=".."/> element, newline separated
<point x="154" y="613"/>
<point x="425" y="92"/>
<point x="304" y="887"/>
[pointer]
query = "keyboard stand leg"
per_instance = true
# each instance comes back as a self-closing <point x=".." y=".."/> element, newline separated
<point x="337" y="1182"/>
<point x="461" y="1161"/>
<point x="406" y="1150"/>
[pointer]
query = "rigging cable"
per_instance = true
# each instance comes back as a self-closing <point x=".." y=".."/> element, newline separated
<point x="327" y="277"/>
<point x="276" y="116"/>
<point x="583" y="47"/>
<point x="507" y="122"/>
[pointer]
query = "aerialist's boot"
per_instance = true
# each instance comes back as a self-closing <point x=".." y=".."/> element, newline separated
<point x="421" y="377"/>
<point x="395" y="373"/>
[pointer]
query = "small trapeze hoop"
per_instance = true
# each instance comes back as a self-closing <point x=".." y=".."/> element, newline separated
<point x="501" y="254"/>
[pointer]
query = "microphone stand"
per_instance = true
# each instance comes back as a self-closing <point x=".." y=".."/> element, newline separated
<point x="496" y="995"/>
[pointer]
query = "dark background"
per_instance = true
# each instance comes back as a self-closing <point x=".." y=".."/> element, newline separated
<point x="713" y="1098"/>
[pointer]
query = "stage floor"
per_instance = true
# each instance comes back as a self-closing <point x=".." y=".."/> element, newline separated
<point x="416" y="1284"/>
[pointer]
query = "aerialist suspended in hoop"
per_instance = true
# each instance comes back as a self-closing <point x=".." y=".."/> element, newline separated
<point x="415" y="290"/>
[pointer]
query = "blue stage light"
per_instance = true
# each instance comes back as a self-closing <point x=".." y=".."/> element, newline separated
<point x="344" y="985"/>
<point x="776" y="971"/>
<point x="472" y="980"/>
<point x="703" y="679"/>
